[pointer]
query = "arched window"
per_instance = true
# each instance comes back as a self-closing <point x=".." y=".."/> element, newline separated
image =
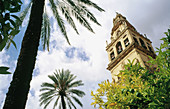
<point x="118" y="32"/>
<point x="119" y="47"/>
<point x="112" y="55"/>
<point x="126" y="42"/>
<point x="136" y="41"/>
<point x="142" y="43"/>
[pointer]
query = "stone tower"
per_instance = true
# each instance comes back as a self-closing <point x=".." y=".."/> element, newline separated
<point x="126" y="43"/>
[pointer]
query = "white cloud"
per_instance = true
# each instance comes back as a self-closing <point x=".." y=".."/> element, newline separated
<point x="3" y="58"/>
<point x="4" y="79"/>
<point x="26" y="2"/>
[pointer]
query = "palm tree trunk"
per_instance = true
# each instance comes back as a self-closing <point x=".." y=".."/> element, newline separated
<point x="63" y="102"/>
<point x="17" y="94"/>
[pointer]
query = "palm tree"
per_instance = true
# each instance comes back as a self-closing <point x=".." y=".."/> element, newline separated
<point x="68" y="8"/>
<point x="63" y="88"/>
<point x="17" y="94"/>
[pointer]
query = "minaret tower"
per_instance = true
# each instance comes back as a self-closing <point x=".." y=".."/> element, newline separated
<point x="126" y="43"/>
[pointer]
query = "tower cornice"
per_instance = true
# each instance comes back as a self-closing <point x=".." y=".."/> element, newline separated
<point x="127" y="28"/>
<point x="131" y="47"/>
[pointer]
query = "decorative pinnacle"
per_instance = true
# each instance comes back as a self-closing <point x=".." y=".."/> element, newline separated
<point x="117" y="13"/>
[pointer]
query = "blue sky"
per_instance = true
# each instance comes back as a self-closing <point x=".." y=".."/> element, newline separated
<point x="87" y="57"/>
<point x="73" y="51"/>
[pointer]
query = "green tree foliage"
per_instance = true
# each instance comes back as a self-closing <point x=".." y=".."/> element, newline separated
<point x="3" y="70"/>
<point x="139" y="88"/>
<point x="8" y="27"/>
<point x="63" y="88"/>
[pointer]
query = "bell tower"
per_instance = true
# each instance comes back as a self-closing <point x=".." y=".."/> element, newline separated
<point x="126" y="43"/>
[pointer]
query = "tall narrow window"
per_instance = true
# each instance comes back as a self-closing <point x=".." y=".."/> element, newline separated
<point x="126" y="42"/>
<point x="118" y="32"/>
<point x="142" y="43"/>
<point x="119" y="47"/>
<point x="112" y="56"/>
<point x="136" y="41"/>
<point x="150" y="47"/>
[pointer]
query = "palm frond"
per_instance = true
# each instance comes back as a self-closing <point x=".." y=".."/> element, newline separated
<point x="67" y="15"/>
<point x="60" y="106"/>
<point x="71" y="78"/>
<point x="76" y="83"/>
<point x="47" y="85"/>
<point x="54" y="79"/>
<point x="10" y="41"/>
<point x="76" y="12"/>
<point x="56" y="102"/>
<point x="76" y="92"/>
<point x="69" y="81"/>
<point x="57" y="76"/>
<point x="71" y="102"/>
<point x="69" y="105"/>
<point x="59" y="20"/>
<point x="66" y="76"/>
<point x="46" y="94"/>
<point x="46" y="89"/>
<point x="44" y="100"/>
<point x="89" y="15"/>
<point x="77" y="100"/>
<point x="45" y="30"/>
<point x="23" y="15"/>
<point x="46" y="104"/>
<point x="90" y="3"/>
<point x="61" y="77"/>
